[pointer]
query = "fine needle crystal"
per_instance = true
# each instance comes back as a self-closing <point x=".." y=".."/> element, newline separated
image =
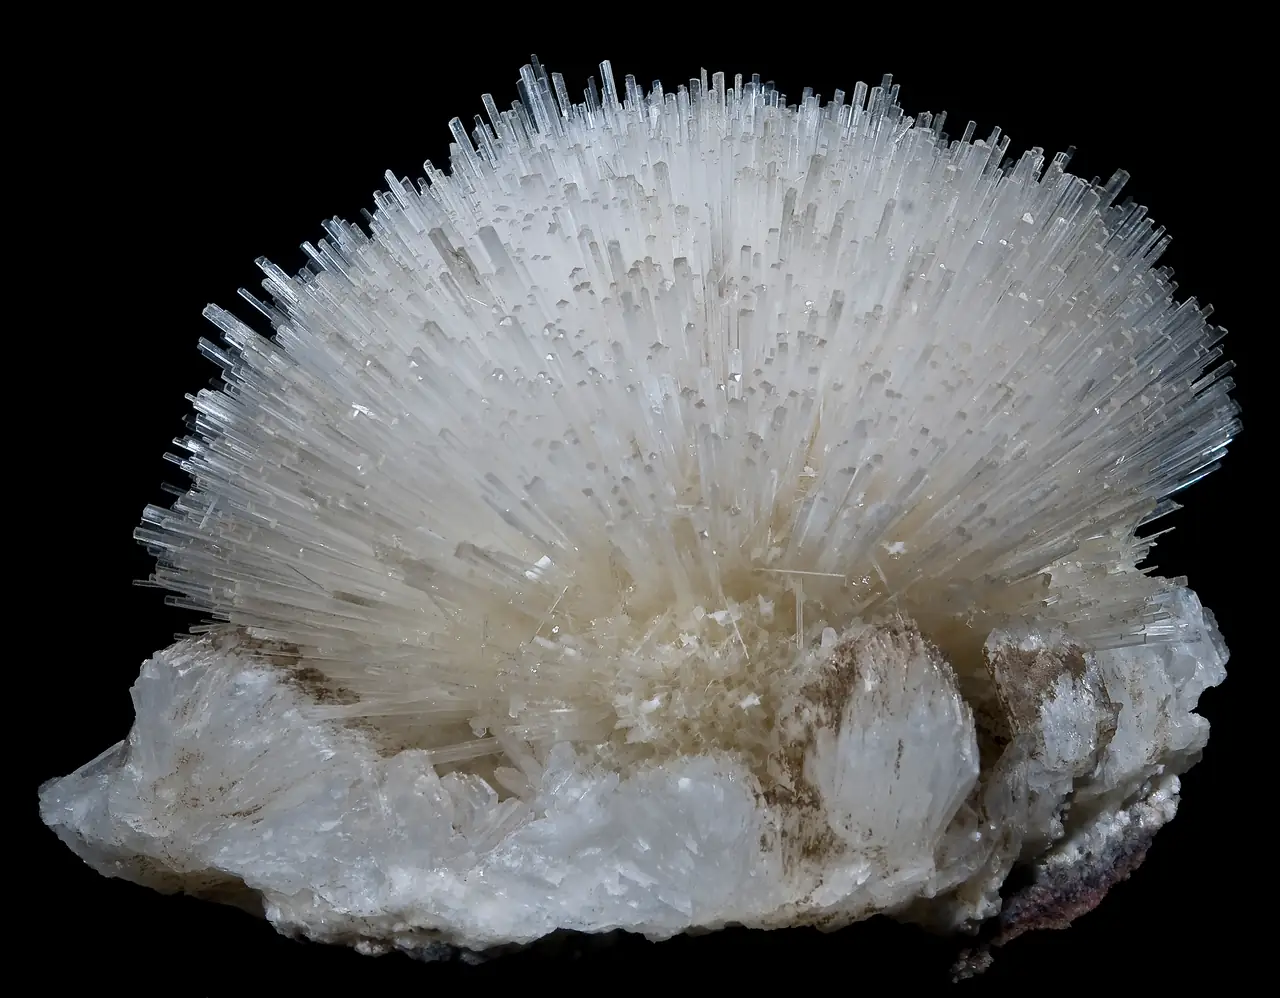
<point x="691" y="509"/>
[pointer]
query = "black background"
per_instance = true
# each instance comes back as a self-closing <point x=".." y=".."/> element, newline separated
<point x="174" y="154"/>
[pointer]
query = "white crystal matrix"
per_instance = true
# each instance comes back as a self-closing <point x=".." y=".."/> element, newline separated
<point x="692" y="510"/>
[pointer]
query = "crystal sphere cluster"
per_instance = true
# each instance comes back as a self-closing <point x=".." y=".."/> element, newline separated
<point x="691" y="509"/>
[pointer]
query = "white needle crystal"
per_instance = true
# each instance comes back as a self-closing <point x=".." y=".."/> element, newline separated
<point x="691" y="510"/>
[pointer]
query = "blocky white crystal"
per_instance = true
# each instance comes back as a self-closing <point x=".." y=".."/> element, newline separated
<point x="227" y="780"/>
<point x="692" y="510"/>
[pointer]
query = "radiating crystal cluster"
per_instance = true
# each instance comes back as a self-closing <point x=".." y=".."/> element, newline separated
<point x="692" y="509"/>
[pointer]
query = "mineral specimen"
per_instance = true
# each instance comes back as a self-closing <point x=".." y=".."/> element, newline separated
<point x="692" y="510"/>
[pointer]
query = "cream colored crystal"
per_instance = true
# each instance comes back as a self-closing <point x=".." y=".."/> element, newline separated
<point x="692" y="510"/>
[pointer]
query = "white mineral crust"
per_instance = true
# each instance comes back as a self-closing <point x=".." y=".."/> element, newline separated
<point x="693" y="510"/>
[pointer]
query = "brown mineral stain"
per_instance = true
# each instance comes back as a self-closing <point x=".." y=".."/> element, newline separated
<point x="1057" y="897"/>
<point x="806" y="834"/>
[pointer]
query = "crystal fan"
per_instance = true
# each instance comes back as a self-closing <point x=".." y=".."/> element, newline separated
<point x="692" y="509"/>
